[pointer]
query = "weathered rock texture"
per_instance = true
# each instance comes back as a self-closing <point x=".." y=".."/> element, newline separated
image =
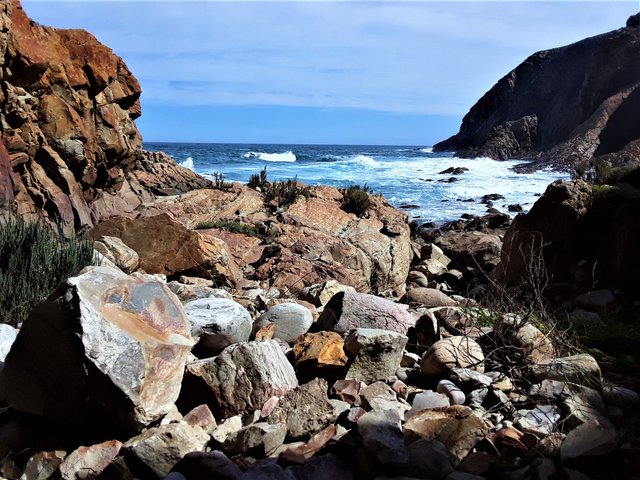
<point x="101" y="338"/>
<point x="67" y="112"/>
<point x="564" y="106"/>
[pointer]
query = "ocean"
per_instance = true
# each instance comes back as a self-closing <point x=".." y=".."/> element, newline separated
<point x="408" y="176"/>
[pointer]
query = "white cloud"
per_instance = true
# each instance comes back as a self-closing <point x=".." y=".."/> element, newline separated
<point x="416" y="57"/>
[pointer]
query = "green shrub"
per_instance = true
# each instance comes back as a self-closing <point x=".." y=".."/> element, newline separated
<point x="258" y="179"/>
<point x="355" y="199"/>
<point x="219" y="183"/>
<point x="285" y="193"/>
<point x="34" y="260"/>
<point x="229" y="226"/>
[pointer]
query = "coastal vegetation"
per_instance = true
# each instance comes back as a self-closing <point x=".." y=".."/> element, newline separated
<point x="355" y="199"/>
<point x="34" y="260"/>
<point x="230" y="226"/>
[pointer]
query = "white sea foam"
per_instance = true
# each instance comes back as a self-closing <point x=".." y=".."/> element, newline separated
<point x="287" y="156"/>
<point x="364" y="160"/>
<point x="188" y="163"/>
<point x="427" y="150"/>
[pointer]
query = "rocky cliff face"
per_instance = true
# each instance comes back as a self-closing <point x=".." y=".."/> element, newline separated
<point x="67" y="111"/>
<point x="564" y="107"/>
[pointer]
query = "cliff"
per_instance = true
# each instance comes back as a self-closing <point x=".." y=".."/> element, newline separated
<point x="564" y="107"/>
<point x="71" y="151"/>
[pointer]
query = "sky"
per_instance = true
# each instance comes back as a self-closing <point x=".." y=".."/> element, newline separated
<point x="350" y="72"/>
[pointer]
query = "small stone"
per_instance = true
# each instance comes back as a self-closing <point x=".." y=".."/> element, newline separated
<point x="42" y="465"/>
<point x="89" y="462"/>
<point x="476" y="397"/>
<point x="499" y="381"/>
<point x="347" y="391"/>
<point x="202" y="417"/>
<point x="320" y="294"/>
<point x="319" y="350"/>
<point x="450" y="389"/>
<point x="379" y="396"/>
<point x="376" y="354"/>
<point x="229" y="426"/>
<point x="622" y="397"/>
<point x="470" y="378"/>
<point x="453" y="352"/>
<point x="265" y="438"/>
<point x="428" y="400"/>
<point x="410" y="360"/>
<point x="540" y="421"/>
<point x="382" y="436"/>
<point x="291" y="320"/>
<point x="114" y="249"/>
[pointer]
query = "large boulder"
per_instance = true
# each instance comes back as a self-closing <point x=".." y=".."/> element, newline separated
<point x="166" y="246"/>
<point x="346" y="311"/>
<point x="102" y="337"/>
<point x="471" y="249"/>
<point x="290" y="319"/>
<point x="246" y="375"/>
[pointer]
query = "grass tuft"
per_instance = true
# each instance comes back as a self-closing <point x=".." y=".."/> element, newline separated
<point x="355" y="199"/>
<point x="230" y="226"/>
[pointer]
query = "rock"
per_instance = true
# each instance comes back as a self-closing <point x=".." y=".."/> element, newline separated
<point x="347" y="311"/>
<point x="43" y="465"/>
<point x="622" y="397"/>
<point x="380" y="397"/>
<point x="131" y="351"/>
<point x="262" y="438"/>
<point x="453" y="352"/>
<point x="89" y="462"/>
<point x="592" y="438"/>
<point x="302" y="453"/>
<point x="470" y="378"/>
<point x="428" y="400"/>
<point x="304" y="410"/>
<point x="291" y="321"/>
<point x="325" y="466"/>
<point x="580" y="403"/>
<point x="206" y="465"/>
<point x="584" y="318"/>
<point x="595" y="299"/>
<point x="159" y="449"/>
<point x="581" y="369"/>
<point x="454" y="171"/>
<point x="456" y="396"/>
<point x="125" y="258"/>
<point x="187" y="293"/>
<point x="166" y="246"/>
<point x="8" y="335"/>
<point x="429" y="297"/>
<point x="320" y="294"/>
<point x="427" y="329"/>
<point x="202" y="417"/>
<point x="376" y="354"/>
<point x="472" y="249"/>
<point x="456" y="427"/>
<point x="316" y="352"/>
<point x="536" y="345"/>
<point x="431" y="268"/>
<point x="229" y="426"/>
<point x="515" y="207"/>
<point x="633" y="21"/>
<point x="428" y="459"/>
<point x="540" y="421"/>
<point x="418" y="278"/>
<point x="382" y="436"/>
<point x="347" y="391"/>
<point x="217" y="323"/>
<point x="196" y="281"/>
<point x="245" y="375"/>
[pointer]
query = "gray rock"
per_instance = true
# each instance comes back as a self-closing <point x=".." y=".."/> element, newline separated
<point x="470" y="378"/>
<point x="476" y="397"/>
<point x="592" y="438"/>
<point x="428" y="459"/>
<point x="43" y="465"/>
<point x="8" y="335"/>
<point x="304" y="410"/>
<point x="453" y="352"/>
<point x="540" y="421"/>
<point x="187" y="293"/>
<point x="428" y="400"/>
<point x="321" y="467"/>
<point x="201" y="465"/>
<point x="429" y="297"/>
<point x="620" y="396"/>
<point x="263" y="438"/>
<point x="581" y="369"/>
<point x="267" y="471"/>
<point x="132" y="332"/>
<point x="94" y="459"/>
<point x="380" y="397"/>
<point x="431" y="268"/>
<point x="217" y="323"/>
<point x="595" y="299"/>
<point x="418" y="278"/>
<point x="246" y="375"/>
<point x="115" y="250"/>
<point x="291" y="321"/>
<point x="321" y="293"/>
<point x="585" y="318"/>
<point x="382" y="436"/>
<point x="451" y="390"/>
<point x="376" y="354"/>
<point x="229" y="426"/>
<point x="347" y="311"/>
<point x="160" y="448"/>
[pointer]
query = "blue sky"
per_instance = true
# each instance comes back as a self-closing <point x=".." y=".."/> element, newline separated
<point x="357" y="72"/>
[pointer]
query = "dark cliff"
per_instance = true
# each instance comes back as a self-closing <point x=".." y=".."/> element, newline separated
<point x="72" y="152"/>
<point x="563" y="107"/>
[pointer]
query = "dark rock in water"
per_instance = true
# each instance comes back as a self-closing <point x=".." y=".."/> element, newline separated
<point x="408" y="206"/>
<point x="454" y="171"/>
<point x="491" y="197"/>
<point x="449" y="180"/>
<point x="562" y="107"/>
<point x="515" y="207"/>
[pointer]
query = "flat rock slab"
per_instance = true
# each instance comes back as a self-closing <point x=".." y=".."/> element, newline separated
<point x="245" y="375"/>
<point x="102" y="331"/>
<point x="347" y="310"/>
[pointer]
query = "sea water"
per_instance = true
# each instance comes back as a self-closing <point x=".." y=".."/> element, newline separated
<point x="407" y="176"/>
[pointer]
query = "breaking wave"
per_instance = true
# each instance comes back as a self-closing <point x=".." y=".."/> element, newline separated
<point x="288" y="156"/>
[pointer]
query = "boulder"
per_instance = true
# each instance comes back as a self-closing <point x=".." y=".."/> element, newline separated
<point x="319" y="351"/>
<point x="429" y="297"/>
<point x="382" y="436"/>
<point x="428" y="400"/>
<point x="187" y="293"/>
<point x="580" y="369"/>
<point x="453" y="352"/>
<point x="246" y="375"/>
<point x="375" y="354"/>
<point x="471" y="249"/>
<point x="217" y="323"/>
<point x="291" y="320"/>
<point x="43" y="465"/>
<point x="89" y="462"/>
<point x="593" y="438"/>
<point x="166" y="246"/>
<point x="320" y="294"/>
<point x="347" y="311"/>
<point x="103" y="337"/>
<point x="125" y="258"/>
<point x="595" y="299"/>
<point x="261" y="438"/>
<point x="304" y="410"/>
<point x="158" y="449"/>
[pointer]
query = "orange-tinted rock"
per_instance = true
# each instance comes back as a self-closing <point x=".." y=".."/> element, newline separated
<point x="94" y="459"/>
<point x="322" y="349"/>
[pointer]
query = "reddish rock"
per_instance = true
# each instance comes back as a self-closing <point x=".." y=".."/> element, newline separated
<point x="89" y="462"/>
<point x="318" y="350"/>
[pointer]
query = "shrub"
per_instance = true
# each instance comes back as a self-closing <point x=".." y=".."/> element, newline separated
<point x="218" y="181"/>
<point x="34" y="260"/>
<point x="285" y="193"/>
<point x="355" y="199"/>
<point x="259" y="179"/>
<point x="230" y="226"/>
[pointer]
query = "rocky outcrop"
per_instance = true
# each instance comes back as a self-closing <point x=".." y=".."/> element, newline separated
<point x="565" y="107"/>
<point x="67" y="111"/>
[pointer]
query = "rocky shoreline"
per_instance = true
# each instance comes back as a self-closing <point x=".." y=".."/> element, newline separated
<point x="291" y="332"/>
